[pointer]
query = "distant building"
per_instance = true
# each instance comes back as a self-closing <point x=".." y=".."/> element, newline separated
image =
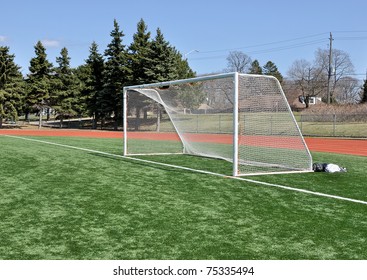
<point x="299" y="103"/>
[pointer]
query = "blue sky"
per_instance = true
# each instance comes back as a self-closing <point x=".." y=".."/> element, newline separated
<point x="281" y="31"/>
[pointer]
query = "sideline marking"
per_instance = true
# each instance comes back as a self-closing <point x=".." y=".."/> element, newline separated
<point x="193" y="170"/>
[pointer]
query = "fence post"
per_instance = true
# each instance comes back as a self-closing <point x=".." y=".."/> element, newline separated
<point x="334" y="124"/>
<point x="197" y="123"/>
<point x="271" y="125"/>
<point x="220" y="119"/>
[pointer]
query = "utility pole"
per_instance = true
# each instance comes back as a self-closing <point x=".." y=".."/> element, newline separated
<point x="364" y="91"/>
<point x="330" y="67"/>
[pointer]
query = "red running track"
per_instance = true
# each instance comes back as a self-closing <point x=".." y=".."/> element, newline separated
<point x="330" y="145"/>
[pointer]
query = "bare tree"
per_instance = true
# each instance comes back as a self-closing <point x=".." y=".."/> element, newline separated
<point x="342" y="66"/>
<point x="311" y="79"/>
<point x="348" y="91"/>
<point x="238" y="61"/>
<point x="308" y="79"/>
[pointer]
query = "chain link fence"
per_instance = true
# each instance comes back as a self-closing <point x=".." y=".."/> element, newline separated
<point x="333" y="125"/>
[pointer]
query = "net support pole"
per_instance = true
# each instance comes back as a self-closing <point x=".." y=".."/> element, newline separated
<point x="235" y="125"/>
<point x="124" y="114"/>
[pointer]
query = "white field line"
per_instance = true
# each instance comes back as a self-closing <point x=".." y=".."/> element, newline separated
<point x="195" y="170"/>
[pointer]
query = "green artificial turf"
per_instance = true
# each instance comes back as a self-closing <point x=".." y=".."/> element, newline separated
<point x="62" y="203"/>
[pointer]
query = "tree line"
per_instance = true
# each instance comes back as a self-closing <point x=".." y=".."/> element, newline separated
<point x="93" y="89"/>
<point x="310" y="79"/>
<point x="238" y="61"/>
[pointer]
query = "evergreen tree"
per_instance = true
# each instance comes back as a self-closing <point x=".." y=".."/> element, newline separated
<point x="138" y="54"/>
<point x="93" y="80"/>
<point x="11" y="86"/>
<point x="182" y="66"/>
<point x="138" y="60"/>
<point x="364" y="92"/>
<point x="64" y="98"/>
<point x="255" y="68"/>
<point x="117" y="75"/>
<point x="82" y="74"/>
<point x="271" y="70"/>
<point x="64" y="62"/>
<point x="40" y="67"/>
<point x="162" y="63"/>
<point x="154" y="61"/>
<point x="165" y="63"/>
<point x="39" y="81"/>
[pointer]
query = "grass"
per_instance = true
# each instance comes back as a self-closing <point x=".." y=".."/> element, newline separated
<point x="264" y="122"/>
<point x="60" y="203"/>
<point x="342" y="129"/>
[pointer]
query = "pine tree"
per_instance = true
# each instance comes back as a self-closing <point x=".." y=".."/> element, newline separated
<point x="364" y="92"/>
<point x="64" y="98"/>
<point x="64" y="62"/>
<point x="271" y="69"/>
<point x="138" y="54"/>
<point x="39" y="81"/>
<point x="93" y="93"/>
<point x="182" y="66"/>
<point x="40" y="67"/>
<point x="161" y="64"/>
<point x="138" y="60"/>
<point x="11" y="86"/>
<point x="255" y="68"/>
<point x="117" y="75"/>
<point x="154" y="61"/>
<point x="157" y="60"/>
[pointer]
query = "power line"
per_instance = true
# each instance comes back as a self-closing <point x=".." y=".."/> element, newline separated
<point x="265" y="44"/>
<point x="275" y="49"/>
<point x="283" y="45"/>
<point x="290" y="46"/>
<point x="281" y="48"/>
<point x="351" y="38"/>
<point x="351" y="31"/>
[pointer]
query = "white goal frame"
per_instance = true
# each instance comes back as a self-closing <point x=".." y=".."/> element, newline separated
<point x="235" y="78"/>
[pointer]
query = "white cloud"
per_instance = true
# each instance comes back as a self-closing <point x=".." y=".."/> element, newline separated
<point x="50" y="43"/>
<point x="3" y="39"/>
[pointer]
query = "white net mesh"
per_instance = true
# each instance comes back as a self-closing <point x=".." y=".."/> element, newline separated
<point x="197" y="117"/>
<point x="269" y="138"/>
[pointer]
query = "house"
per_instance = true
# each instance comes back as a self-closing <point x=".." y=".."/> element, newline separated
<point x="299" y="102"/>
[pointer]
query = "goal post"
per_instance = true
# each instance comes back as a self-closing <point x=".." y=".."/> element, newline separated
<point x="241" y="118"/>
<point x="235" y="125"/>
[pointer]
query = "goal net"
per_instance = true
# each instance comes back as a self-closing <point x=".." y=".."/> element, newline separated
<point x="241" y="118"/>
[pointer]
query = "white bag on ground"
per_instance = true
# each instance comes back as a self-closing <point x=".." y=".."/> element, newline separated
<point x="331" y="168"/>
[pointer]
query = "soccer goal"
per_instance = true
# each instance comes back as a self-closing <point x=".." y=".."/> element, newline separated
<point x="240" y="118"/>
